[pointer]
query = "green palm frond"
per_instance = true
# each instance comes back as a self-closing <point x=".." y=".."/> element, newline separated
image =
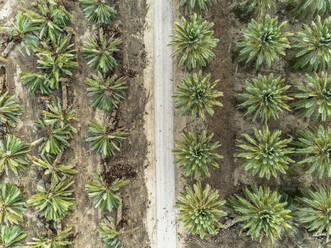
<point x="100" y="53"/>
<point x="37" y="82"/>
<point x="98" y="11"/>
<point x="265" y="155"/>
<point x="313" y="46"/>
<point x="109" y="234"/>
<point x="265" y="97"/>
<point x="196" y="94"/>
<point x="196" y="153"/>
<point x="263" y="41"/>
<point x="59" y="240"/>
<point x="258" y="7"/>
<point x="199" y="209"/>
<point x="196" y="5"/>
<point x="11" y="236"/>
<point x="13" y="155"/>
<point x="9" y="110"/>
<point x="315" y="146"/>
<point x="304" y="8"/>
<point x="11" y="204"/>
<point x="314" y="97"/>
<point x="106" y="93"/>
<point x="54" y="201"/>
<point x="262" y="213"/>
<point x="104" y="141"/>
<point x="193" y="42"/>
<point x="314" y="210"/>
<point x="104" y="194"/>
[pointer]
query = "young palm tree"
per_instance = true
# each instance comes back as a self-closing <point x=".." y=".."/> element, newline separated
<point x="314" y="210"/>
<point x="37" y="82"/>
<point x="259" y="7"/>
<point x="196" y="153"/>
<point x="11" y="204"/>
<point x="192" y="6"/>
<point x="262" y="213"/>
<point x="13" y="155"/>
<point x="263" y="41"/>
<point x="314" y="97"/>
<point x="23" y="33"/>
<point x="98" y="11"/>
<point x="315" y="146"/>
<point x="59" y="240"/>
<point x="104" y="194"/>
<point x="100" y="53"/>
<point x="193" y="41"/>
<point x="109" y="234"/>
<point x="54" y="201"/>
<point x="56" y="170"/>
<point x="104" y="141"/>
<point x="11" y="236"/>
<point x="265" y="97"/>
<point x="106" y="93"/>
<point x="196" y="94"/>
<point x="9" y="110"/>
<point x="313" y="46"/>
<point x="199" y="209"/>
<point x="265" y="155"/>
<point x="303" y="8"/>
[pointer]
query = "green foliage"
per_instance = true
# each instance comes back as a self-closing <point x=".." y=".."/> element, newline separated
<point x="9" y="110"/>
<point x="60" y="240"/>
<point x="106" y="93"/>
<point x="104" y="141"/>
<point x="263" y="42"/>
<point x="11" y="204"/>
<point x="54" y="201"/>
<point x="196" y="94"/>
<point x="56" y="170"/>
<point x="98" y="11"/>
<point x="192" y="6"/>
<point x="13" y="155"/>
<point x="37" y="82"/>
<point x="199" y="209"/>
<point x="108" y="233"/>
<point x="315" y="97"/>
<point x="262" y="213"/>
<point x="314" y="210"/>
<point x="11" y="236"/>
<point x="303" y="8"/>
<point x="99" y="53"/>
<point x="196" y="153"/>
<point x="193" y="41"/>
<point x="23" y="33"/>
<point x="315" y="145"/>
<point x="105" y="194"/>
<point x="259" y="7"/>
<point x="265" y="155"/>
<point x="313" y="46"/>
<point x="265" y="97"/>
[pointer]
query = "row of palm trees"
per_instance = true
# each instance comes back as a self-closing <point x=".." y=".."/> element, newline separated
<point x="263" y="213"/>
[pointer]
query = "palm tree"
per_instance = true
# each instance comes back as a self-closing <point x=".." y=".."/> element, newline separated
<point x="314" y="210"/>
<point x="59" y="240"/>
<point x="192" y="6"/>
<point x="54" y="201"/>
<point x="196" y="153"/>
<point x="314" y="97"/>
<point x="258" y="7"/>
<point x="11" y="204"/>
<point x="315" y="145"/>
<point x="108" y="233"/>
<point x="106" y="93"/>
<point x="37" y="82"/>
<point x="262" y="213"/>
<point x="104" y="194"/>
<point x="193" y="41"/>
<point x="263" y="41"/>
<point x="11" y="236"/>
<point x="265" y="155"/>
<point x="265" y="97"/>
<point x="199" y="209"/>
<point x="104" y="141"/>
<point x="313" y="46"/>
<point x="9" y="110"/>
<point x="13" y="155"/>
<point x="100" y="53"/>
<point x="304" y="8"/>
<point x="196" y="94"/>
<point x="98" y="11"/>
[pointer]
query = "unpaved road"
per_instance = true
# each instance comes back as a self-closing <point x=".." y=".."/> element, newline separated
<point x="164" y="116"/>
